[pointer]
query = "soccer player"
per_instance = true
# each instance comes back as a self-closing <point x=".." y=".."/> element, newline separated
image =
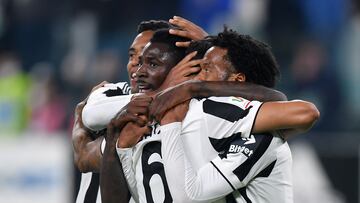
<point x="161" y="56"/>
<point x="214" y="152"/>
<point x="155" y="59"/>
<point x="88" y="148"/>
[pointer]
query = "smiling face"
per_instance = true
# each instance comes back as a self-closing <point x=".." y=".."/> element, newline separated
<point x="215" y="67"/>
<point x="156" y="62"/>
<point x="134" y="53"/>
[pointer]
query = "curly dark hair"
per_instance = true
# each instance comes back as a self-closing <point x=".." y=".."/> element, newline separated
<point x="201" y="46"/>
<point x="163" y="36"/>
<point x="153" y="25"/>
<point x="249" y="56"/>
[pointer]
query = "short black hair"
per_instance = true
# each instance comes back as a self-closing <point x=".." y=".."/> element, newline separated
<point x="249" y="56"/>
<point x="201" y="46"/>
<point x="153" y="25"/>
<point x="163" y="36"/>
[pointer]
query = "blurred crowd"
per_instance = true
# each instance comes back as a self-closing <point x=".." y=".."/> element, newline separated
<point x="53" y="52"/>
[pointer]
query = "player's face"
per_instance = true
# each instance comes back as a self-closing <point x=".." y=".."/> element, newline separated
<point x="214" y="67"/>
<point x="134" y="53"/>
<point x="156" y="62"/>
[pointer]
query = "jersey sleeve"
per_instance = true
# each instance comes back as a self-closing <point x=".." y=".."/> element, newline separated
<point x="174" y="161"/>
<point x="225" y="116"/>
<point x="103" y="104"/>
<point x="245" y="158"/>
<point x="125" y="156"/>
<point x="186" y="184"/>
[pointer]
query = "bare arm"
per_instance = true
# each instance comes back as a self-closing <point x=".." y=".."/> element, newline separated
<point x="173" y="96"/>
<point x="87" y="151"/>
<point x="246" y="90"/>
<point x="113" y="185"/>
<point x="293" y="117"/>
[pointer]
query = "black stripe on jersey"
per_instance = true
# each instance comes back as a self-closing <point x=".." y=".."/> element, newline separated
<point x="230" y="199"/>
<point x="114" y="92"/>
<point x="266" y="171"/>
<point x="223" y="176"/>
<point x="126" y="88"/>
<point x="265" y="140"/>
<point x="244" y="195"/>
<point x="225" y="111"/>
<point x="92" y="191"/>
<point x="224" y="143"/>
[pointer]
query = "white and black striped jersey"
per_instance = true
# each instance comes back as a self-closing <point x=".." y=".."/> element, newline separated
<point x="102" y="105"/>
<point x="150" y="179"/>
<point x="89" y="189"/>
<point x="144" y="170"/>
<point x="212" y="156"/>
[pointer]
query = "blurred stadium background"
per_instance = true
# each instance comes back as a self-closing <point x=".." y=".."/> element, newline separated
<point x="53" y="52"/>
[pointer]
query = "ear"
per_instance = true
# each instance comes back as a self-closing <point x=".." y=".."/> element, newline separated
<point x="240" y="77"/>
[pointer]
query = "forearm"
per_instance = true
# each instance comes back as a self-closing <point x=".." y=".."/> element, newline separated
<point x="246" y="90"/>
<point x="87" y="153"/>
<point x="297" y="116"/>
<point x="113" y="185"/>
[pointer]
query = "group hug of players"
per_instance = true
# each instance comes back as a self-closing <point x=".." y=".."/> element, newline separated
<point x="199" y="122"/>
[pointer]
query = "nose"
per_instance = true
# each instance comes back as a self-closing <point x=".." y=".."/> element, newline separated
<point x="141" y="71"/>
<point x="134" y="62"/>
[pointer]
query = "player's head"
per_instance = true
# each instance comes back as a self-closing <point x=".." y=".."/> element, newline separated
<point x="145" y="31"/>
<point x="239" y="57"/>
<point x="158" y="57"/>
<point x="201" y="46"/>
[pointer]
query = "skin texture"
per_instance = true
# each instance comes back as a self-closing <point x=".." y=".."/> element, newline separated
<point x="156" y="63"/>
<point x="87" y="153"/>
<point x="112" y="180"/>
<point x="188" y="29"/>
<point x="134" y="53"/>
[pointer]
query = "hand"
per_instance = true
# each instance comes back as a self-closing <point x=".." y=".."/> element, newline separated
<point x="182" y="71"/>
<point x="127" y="129"/>
<point x="136" y="111"/>
<point x="177" y="114"/>
<point x="168" y="99"/>
<point x="187" y="29"/>
<point x="131" y="134"/>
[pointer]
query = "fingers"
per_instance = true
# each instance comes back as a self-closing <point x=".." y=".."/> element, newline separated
<point x="182" y="19"/>
<point x="183" y="44"/>
<point x="187" y="58"/>
<point x="188" y="28"/>
<point x="126" y="118"/>
<point x="191" y="71"/>
<point x="190" y="67"/>
<point x="181" y="33"/>
<point x="139" y="105"/>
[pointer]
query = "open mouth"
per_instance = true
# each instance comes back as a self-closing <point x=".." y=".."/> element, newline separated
<point x="143" y="87"/>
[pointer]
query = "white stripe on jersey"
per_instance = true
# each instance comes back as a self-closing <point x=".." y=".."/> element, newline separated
<point x="103" y="104"/>
<point x="144" y="170"/>
<point x="84" y="189"/>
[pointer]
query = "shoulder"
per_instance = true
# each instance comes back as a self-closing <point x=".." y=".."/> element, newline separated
<point x="109" y="90"/>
